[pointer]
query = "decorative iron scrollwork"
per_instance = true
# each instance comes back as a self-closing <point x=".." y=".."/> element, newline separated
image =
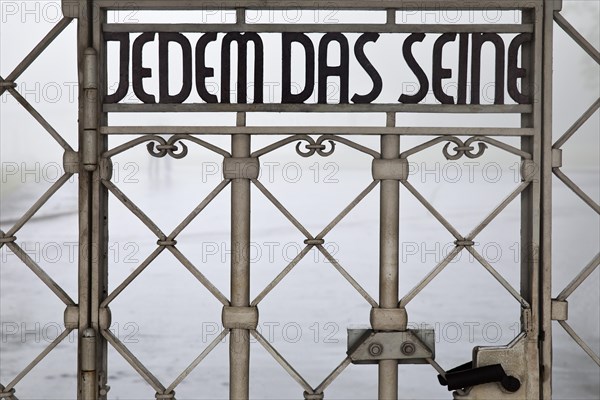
<point x="170" y="147"/>
<point x="315" y="146"/>
<point x="463" y="148"/>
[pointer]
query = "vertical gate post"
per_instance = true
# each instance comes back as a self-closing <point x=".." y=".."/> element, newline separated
<point x="550" y="7"/>
<point x="530" y="200"/>
<point x="388" y="255"/>
<point x="93" y="201"/>
<point x="239" y="345"/>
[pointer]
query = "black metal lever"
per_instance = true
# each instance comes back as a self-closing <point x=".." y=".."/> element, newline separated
<point x="465" y="376"/>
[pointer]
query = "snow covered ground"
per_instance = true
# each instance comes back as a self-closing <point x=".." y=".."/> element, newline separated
<point x="166" y="317"/>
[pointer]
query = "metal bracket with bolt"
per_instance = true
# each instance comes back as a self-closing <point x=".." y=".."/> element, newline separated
<point x="413" y="346"/>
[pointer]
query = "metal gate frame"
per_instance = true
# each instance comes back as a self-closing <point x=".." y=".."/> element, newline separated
<point x="90" y="315"/>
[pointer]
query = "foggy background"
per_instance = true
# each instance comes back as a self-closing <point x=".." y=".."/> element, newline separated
<point x="167" y="318"/>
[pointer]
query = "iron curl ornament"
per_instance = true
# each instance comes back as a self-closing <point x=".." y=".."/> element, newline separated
<point x="463" y="148"/>
<point x="315" y="146"/>
<point x="170" y="147"/>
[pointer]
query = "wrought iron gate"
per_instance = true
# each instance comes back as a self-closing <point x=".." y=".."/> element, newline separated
<point x="527" y="361"/>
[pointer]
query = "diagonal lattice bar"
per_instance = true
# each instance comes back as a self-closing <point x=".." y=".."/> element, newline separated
<point x="38" y="49"/>
<point x="347" y="276"/>
<point x="577" y="190"/>
<point x="38" y="204"/>
<point x="134" y="209"/>
<point x="441" y="265"/>
<point x="199" y="276"/>
<point x="281" y="208"/>
<point x="319" y="237"/>
<point x="163" y="239"/>
<point x="282" y="361"/>
<point x="498" y="277"/>
<point x="577" y="37"/>
<point x="578" y="124"/>
<point x="580" y="341"/>
<point x="211" y="196"/>
<point x="39" y="358"/>
<point x="197" y="361"/>
<point x="429" y="277"/>
<point x="133" y="361"/>
<point x="41" y="274"/>
<point x="41" y="120"/>
<point x="346" y="210"/>
<point x="578" y="280"/>
<point x="433" y="211"/>
<point x="333" y="375"/>
<point x="497" y="210"/>
<point x="281" y="275"/>
<point x="132" y="276"/>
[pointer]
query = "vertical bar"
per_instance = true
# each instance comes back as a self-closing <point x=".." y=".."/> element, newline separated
<point x="546" y="207"/>
<point x="530" y="202"/>
<point x="239" y="345"/>
<point x="99" y="288"/>
<point x="388" y="255"/>
<point x="86" y="382"/>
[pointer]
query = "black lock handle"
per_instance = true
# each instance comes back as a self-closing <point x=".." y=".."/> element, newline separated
<point x="465" y="376"/>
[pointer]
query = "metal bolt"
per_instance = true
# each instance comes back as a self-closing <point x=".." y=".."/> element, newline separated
<point x="375" y="349"/>
<point x="408" y="348"/>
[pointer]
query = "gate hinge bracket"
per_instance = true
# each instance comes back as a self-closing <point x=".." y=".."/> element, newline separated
<point x="413" y="346"/>
<point x="560" y="310"/>
<point x="70" y="8"/>
<point x="557" y="5"/>
<point x="71" y="161"/>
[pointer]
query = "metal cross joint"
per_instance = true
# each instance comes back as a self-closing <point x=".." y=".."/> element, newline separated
<point x="412" y="346"/>
<point x="241" y="168"/>
<point x="240" y="317"/>
<point x="388" y="319"/>
<point x="390" y="169"/>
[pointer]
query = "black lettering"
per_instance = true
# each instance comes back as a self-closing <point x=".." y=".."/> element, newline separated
<point x="287" y="38"/>
<point x="359" y="51"/>
<point x="163" y="67"/>
<point x="415" y="68"/>
<point x="478" y="40"/>
<point x="202" y="71"/>
<point x="440" y="73"/>
<point x="139" y="72"/>
<point x="342" y="70"/>
<point x="514" y="71"/>
<point x="123" y="39"/>
<point x="242" y="40"/>
<point x="463" y="57"/>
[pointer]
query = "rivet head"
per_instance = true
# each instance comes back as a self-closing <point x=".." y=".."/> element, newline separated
<point x="375" y="349"/>
<point x="408" y="348"/>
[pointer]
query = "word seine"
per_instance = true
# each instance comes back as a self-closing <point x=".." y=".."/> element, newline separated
<point x="325" y="71"/>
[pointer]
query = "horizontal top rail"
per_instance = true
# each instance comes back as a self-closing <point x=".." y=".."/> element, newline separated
<point x="320" y="28"/>
<point x="326" y="108"/>
<point x="314" y="130"/>
<point x="316" y="4"/>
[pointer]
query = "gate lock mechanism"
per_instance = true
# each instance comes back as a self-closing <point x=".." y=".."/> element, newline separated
<point x="413" y="346"/>
<point x="465" y="376"/>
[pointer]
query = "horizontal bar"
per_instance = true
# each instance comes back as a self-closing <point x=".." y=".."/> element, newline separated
<point x="314" y="4"/>
<point x="321" y="28"/>
<point x="314" y="130"/>
<point x="332" y="108"/>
